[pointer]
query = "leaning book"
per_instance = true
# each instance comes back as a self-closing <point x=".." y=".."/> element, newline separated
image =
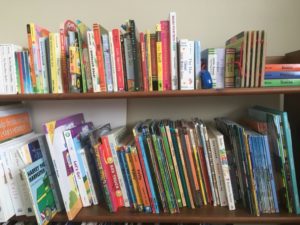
<point x="40" y="190"/>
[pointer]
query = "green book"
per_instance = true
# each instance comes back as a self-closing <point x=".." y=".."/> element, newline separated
<point x="281" y="82"/>
<point x="170" y="164"/>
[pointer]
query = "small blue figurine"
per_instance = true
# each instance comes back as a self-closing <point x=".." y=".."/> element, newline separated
<point x="206" y="79"/>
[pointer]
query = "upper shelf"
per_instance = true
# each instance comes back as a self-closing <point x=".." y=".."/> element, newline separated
<point x="154" y="94"/>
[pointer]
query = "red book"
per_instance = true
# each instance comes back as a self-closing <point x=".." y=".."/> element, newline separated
<point x="282" y="67"/>
<point x="165" y="41"/>
<point x="118" y="59"/>
<point x="99" y="55"/>
<point x="110" y="170"/>
<point x="144" y="62"/>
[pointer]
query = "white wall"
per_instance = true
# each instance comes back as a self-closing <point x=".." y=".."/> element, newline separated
<point x="211" y="21"/>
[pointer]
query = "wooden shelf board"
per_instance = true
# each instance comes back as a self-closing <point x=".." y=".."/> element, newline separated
<point x="204" y="215"/>
<point x="155" y="94"/>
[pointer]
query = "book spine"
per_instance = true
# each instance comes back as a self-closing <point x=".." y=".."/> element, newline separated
<point x="100" y="57"/>
<point x="63" y="61"/>
<point x="144" y="62"/>
<point x="229" y="68"/>
<point x="197" y="165"/>
<point x="58" y="64"/>
<point x="263" y="43"/>
<point x="104" y="180"/>
<point x="171" y="166"/>
<point x="113" y="62"/>
<point x="153" y="61"/>
<point x="29" y="88"/>
<point x="197" y="71"/>
<point x="225" y="170"/>
<point x="165" y="42"/>
<point x="107" y="63"/>
<point x="44" y="65"/>
<point x="148" y="177"/>
<point x="186" y="64"/>
<point x="126" y="174"/>
<point x="137" y="193"/>
<point x="212" y="65"/>
<point x="112" y="148"/>
<point x="77" y="169"/>
<point x="281" y="82"/>
<point x="140" y="179"/>
<point x="93" y="61"/>
<point x="176" y="167"/>
<point x="282" y="67"/>
<point x="149" y="60"/>
<point x="163" y="174"/>
<point x="54" y="78"/>
<point x="282" y="75"/>
<point x="30" y="36"/>
<point x="220" y="70"/>
<point x="159" y="58"/>
<point x="118" y="59"/>
<point x="173" y="50"/>
<point x="20" y="69"/>
<point x="108" y="158"/>
<point x="129" y="63"/>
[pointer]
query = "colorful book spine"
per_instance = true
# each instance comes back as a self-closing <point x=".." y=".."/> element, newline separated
<point x="118" y="59"/>
<point x="45" y="82"/>
<point x="197" y="62"/>
<point x="129" y="62"/>
<point x="140" y="179"/>
<point x="282" y="67"/>
<point x="144" y="62"/>
<point x="107" y="63"/>
<point x="93" y="61"/>
<point x="165" y="42"/>
<point x="229" y="68"/>
<point x="154" y="61"/>
<point x="282" y="75"/>
<point x="31" y="35"/>
<point x="159" y="57"/>
<point x="149" y="60"/>
<point x="113" y="62"/>
<point x="63" y="56"/>
<point x="281" y="82"/>
<point x="133" y="177"/>
<point x="100" y="57"/>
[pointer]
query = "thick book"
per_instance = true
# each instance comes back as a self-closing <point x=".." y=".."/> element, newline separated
<point x="186" y="64"/>
<point x="40" y="190"/>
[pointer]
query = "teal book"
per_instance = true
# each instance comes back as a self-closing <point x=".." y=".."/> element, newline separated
<point x="39" y="188"/>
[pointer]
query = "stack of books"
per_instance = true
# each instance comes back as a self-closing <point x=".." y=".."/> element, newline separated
<point x="282" y="75"/>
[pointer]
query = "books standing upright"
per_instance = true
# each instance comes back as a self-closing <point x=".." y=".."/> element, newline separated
<point x="61" y="161"/>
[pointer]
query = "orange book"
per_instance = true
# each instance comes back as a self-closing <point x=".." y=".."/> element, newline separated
<point x="140" y="178"/>
<point x="282" y="67"/>
<point x="13" y="125"/>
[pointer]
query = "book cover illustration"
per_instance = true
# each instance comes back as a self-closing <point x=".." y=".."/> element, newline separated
<point x="40" y="190"/>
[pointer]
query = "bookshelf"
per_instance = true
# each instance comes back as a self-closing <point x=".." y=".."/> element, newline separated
<point x="291" y="95"/>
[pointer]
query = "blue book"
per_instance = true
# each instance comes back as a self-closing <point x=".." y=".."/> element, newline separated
<point x="107" y="63"/>
<point x="40" y="190"/>
<point x="127" y="179"/>
<point x="283" y="75"/>
<point x="28" y="84"/>
<point x="197" y="47"/>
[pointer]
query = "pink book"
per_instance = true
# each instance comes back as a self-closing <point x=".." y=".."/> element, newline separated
<point x="118" y="59"/>
<point x="165" y="41"/>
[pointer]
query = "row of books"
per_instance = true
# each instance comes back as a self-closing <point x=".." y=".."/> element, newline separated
<point x="80" y="59"/>
<point x="161" y="166"/>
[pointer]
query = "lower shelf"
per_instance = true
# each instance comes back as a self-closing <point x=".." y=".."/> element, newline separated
<point x="202" y="215"/>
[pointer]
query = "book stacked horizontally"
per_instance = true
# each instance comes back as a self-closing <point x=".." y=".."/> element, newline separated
<point x="282" y="75"/>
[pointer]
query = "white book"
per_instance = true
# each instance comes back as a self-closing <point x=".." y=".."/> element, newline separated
<point x="173" y="50"/>
<point x="1" y="70"/>
<point x="225" y="168"/>
<point x="12" y="65"/>
<point x="93" y="61"/>
<point x="77" y="169"/>
<point x="5" y="70"/>
<point x="218" y="168"/>
<point x="114" y="138"/>
<point x="186" y="64"/>
<point x="113" y="62"/>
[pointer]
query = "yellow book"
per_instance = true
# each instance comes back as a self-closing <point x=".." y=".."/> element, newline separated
<point x="149" y="65"/>
<point x="139" y="202"/>
<point x="53" y="61"/>
<point x="159" y="58"/>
